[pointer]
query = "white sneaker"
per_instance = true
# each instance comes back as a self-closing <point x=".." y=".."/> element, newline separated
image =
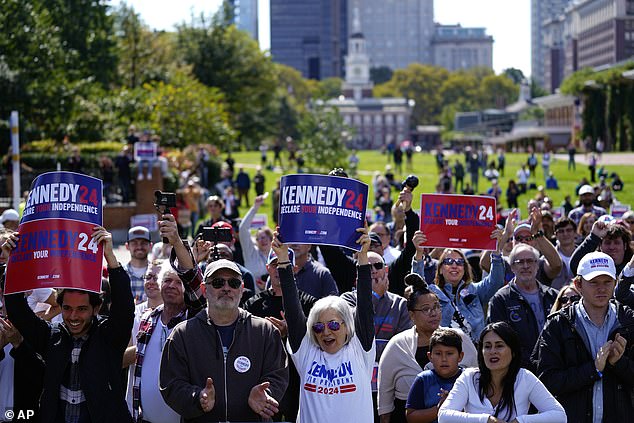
<point x="149" y="176"/>
<point x="140" y="177"/>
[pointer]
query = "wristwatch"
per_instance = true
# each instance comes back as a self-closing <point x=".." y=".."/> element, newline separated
<point x="538" y="234"/>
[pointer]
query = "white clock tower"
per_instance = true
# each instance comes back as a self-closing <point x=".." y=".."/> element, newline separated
<point x="357" y="84"/>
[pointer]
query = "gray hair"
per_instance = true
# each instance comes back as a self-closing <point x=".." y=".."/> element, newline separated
<point x="334" y="303"/>
<point x="521" y="247"/>
<point x="164" y="269"/>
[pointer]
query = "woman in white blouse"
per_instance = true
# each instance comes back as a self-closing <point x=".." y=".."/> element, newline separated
<point x="499" y="391"/>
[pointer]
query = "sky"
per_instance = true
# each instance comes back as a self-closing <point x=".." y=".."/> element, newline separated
<point x="508" y="21"/>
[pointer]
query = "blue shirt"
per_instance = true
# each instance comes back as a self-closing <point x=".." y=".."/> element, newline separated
<point x="595" y="337"/>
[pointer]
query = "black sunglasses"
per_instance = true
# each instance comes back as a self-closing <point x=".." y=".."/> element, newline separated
<point x="218" y="283"/>
<point x="333" y="325"/>
<point x="378" y="265"/>
<point x="573" y="298"/>
<point x="449" y="261"/>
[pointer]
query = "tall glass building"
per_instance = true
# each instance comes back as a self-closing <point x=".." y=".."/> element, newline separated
<point x="398" y="32"/>
<point x="246" y="16"/>
<point x="310" y="36"/>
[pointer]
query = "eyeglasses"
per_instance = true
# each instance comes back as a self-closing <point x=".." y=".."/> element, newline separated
<point x="218" y="283"/>
<point x="378" y="265"/>
<point x="523" y="262"/>
<point x="523" y="238"/>
<point x="427" y="311"/>
<point x="333" y="325"/>
<point x="569" y="300"/>
<point x="150" y="277"/>
<point x="450" y="261"/>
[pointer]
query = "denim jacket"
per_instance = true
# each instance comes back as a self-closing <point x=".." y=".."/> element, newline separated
<point x="470" y="299"/>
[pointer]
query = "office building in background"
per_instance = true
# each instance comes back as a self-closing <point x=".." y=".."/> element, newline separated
<point x="455" y="48"/>
<point x="246" y="16"/>
<point x="310" y="36"/>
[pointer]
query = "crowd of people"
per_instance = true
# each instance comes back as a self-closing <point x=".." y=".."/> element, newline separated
<point x="249" y="328"/>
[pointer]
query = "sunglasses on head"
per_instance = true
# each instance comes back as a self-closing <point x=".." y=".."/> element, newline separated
<point x="378" y="265"/>
<point x="573" y="298"/>
<point x="333" y="325"/>
<point x="218" y="283"/>
<point x="449" y="261"/>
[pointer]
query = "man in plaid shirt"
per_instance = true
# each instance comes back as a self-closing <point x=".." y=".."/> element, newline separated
<point x="82" y="381"/>
<point x="180" y="283"/>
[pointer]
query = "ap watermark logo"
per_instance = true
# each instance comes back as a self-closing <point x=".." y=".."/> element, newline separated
<point x="17" y="415"/>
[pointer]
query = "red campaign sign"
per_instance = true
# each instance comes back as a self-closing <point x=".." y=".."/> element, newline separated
<point x="55" y="254"/>
<point x="55" y="248"/>
<point x="458" y="221"/>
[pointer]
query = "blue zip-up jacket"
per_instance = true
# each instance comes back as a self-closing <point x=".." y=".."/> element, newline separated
<point x="471" y="298"/>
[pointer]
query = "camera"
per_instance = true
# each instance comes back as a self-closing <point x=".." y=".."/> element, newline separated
<point x="216" y="235"/>
<point x="411" y="182"/>
<point x="164" y="201"/>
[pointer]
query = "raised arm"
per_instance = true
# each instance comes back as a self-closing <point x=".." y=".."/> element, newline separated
<point x="494" y="280"/>
<point x="183" y="262"/>
<point x="399" y="268"/>
<point x="34" y="330"/>
<point x="293" y="313"/>
<point x="121" y="319"/>
<point x="590" y="244"/>
<point x="553" y="263"/>
<point x="364" y="312"/>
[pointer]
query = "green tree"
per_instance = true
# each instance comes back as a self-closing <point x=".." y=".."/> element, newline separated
<point x="418" y="82"/>
<point x="326" y="89"/>
<point x="144" y="55"/>
<point x="322" y="139"/>
<point x="86" y="28"/>
<point x="516" y="75"/>
<point x="184" y="112"/>
<point x="230" y="60"/>
<point x="498" y="91"/>
<point x="381" y="74"/>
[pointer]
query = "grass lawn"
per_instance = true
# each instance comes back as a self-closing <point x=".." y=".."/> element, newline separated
<point x="424" y="166"/>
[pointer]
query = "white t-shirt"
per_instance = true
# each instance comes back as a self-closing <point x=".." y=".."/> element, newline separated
<point x="154" y="408"/>
<point x="335" y="387"/>
<point x="6" y="381"/>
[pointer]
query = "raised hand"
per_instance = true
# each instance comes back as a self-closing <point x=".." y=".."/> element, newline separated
<point x="280" y="325"/>
<point x="10" y="244"/>
<point x="365" y="242"/>
<point x="101" y="235"/>
<point x="208" y="396"/>
<point x="405" y="199"/>
<point x="600" y="229"/>
<point x="168" y="229"/>
<point x="536" y="220"/>
<point x="11" y="334"/>
<point x="261" y="402"/>
<point x="281" y="249"/>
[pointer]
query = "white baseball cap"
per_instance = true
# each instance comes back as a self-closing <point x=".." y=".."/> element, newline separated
<point x="9" y="215"/>
<point x="596" y="264"/>
<point x="586" y="189"/>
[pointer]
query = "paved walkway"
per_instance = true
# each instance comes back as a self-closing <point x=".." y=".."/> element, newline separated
<point x="625" y="158"/>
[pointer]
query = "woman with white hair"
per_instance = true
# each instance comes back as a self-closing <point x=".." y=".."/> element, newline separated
<point x="333" y="349"/>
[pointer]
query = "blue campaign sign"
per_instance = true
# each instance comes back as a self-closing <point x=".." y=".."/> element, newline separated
<point x="64" y="195"/>
<point x="320" y="209"/>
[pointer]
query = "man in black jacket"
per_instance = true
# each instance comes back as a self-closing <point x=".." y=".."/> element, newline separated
<point x="525" y="302"/>
<point x="584" y="355"/>
<point x="82" y="380"/>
